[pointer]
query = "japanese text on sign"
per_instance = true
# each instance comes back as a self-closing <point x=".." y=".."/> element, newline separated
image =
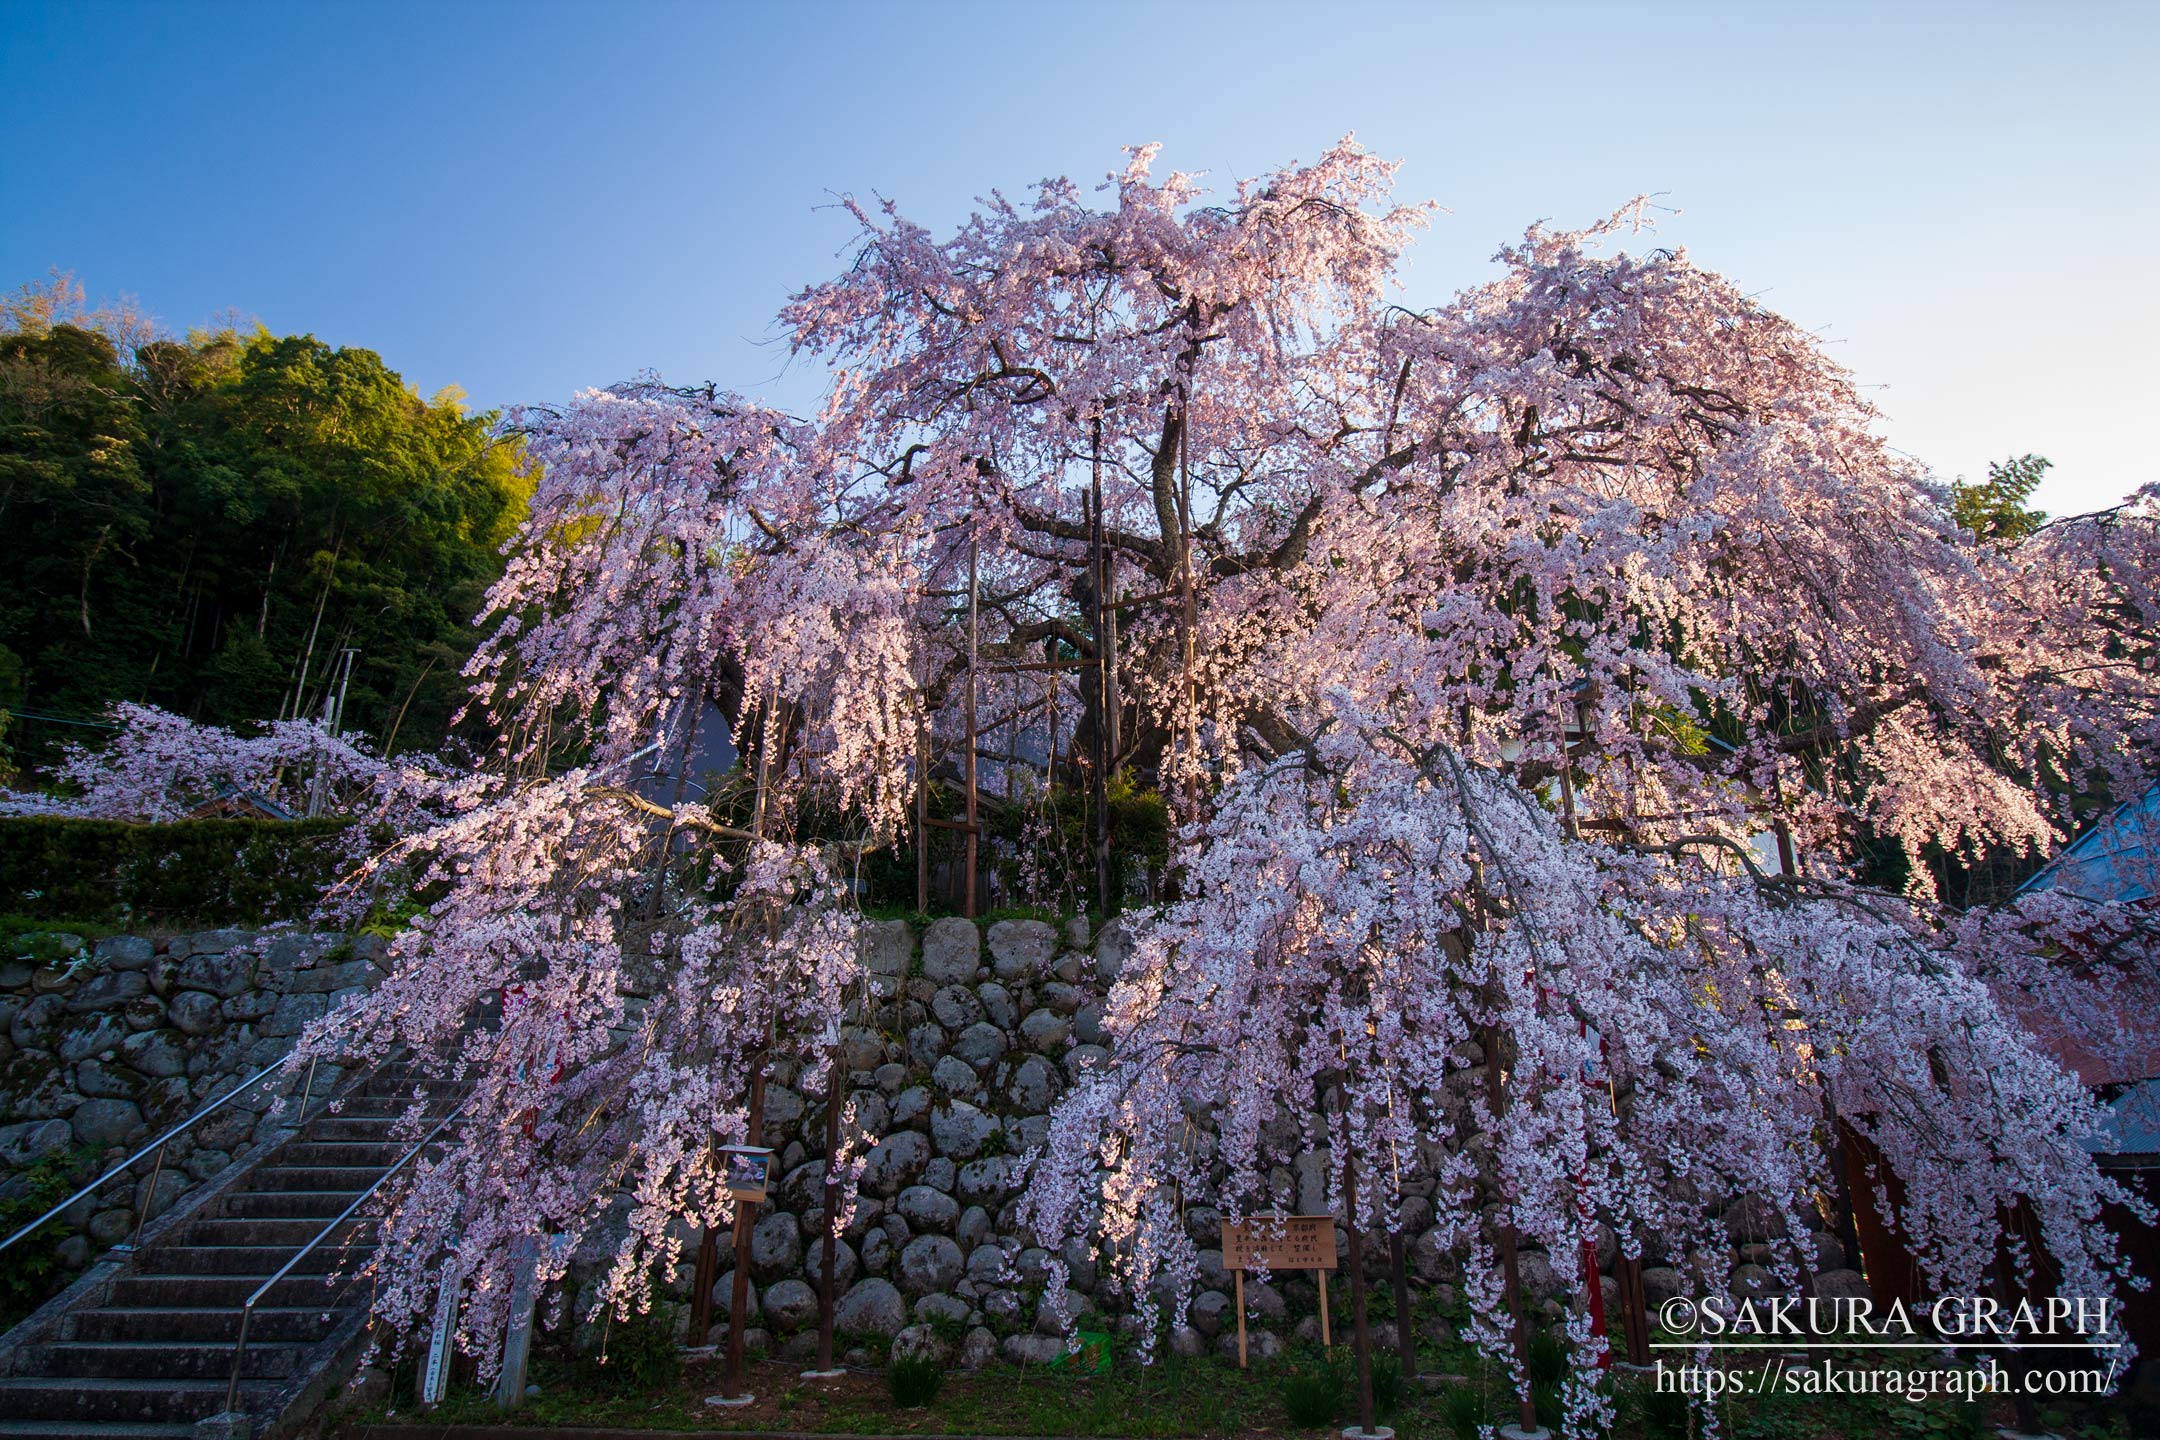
<point x="1280" y="1242"/>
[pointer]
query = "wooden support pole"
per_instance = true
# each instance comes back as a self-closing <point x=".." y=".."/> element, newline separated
<point x="834" y="1088"/>
<point x="922" y="801"/>
<point x="1238" y="1280"/>
<point x="1357" y="1296"/>
<point x="745" y="1218"/>
<point x="968" y="758"/>
<point x="708" y="1272"/>
<point x="2008" y="1294"/>
<point x="1098" y="581"/>
<point x="1405" y="1332"/>
<point x="1841" y="1221"/>
<point x="1327" y="1340"/>
<point x="1510" y="1269"/>
<point x="1634" y="1310"/>
<point x="1188" y="615"/>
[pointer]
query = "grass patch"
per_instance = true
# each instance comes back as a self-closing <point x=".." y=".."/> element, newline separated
<point x="914" y="1381"/>
<point x="1204" y="1399"/>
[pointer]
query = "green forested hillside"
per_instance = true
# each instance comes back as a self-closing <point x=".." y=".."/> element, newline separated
<point x="205" y="523"/>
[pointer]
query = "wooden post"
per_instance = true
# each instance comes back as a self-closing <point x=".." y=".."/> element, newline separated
<point x="517" y="1336"/>
<point x="1842" y="1222"/>
<point x="833" y="1092"/>
<point x="1510" y="1270"/>
<point x="1189" y="618"/>
<point x="922" y="799"/>
<point x="1596" y="1299"/>
<point x="1327" y="1341"/>
<point x="1099" y="579"/>
<point x="745" y="1217"/>
<point x="1357" y="1296"/>
<point x="442" y="1335"/>
<point x="2008" y="1294"/>
<point x="767" y="739"/>
<point x="707" y="1273"/>
<point x="968" y="760"/>
<point x="1634" y="1310"/>
<point x="1238" y="1280"/>
<point x="1405" y="1333"/>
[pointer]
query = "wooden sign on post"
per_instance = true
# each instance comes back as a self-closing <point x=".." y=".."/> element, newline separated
<point x="747" y="1171"/>
<point x="517" y="1336"/>
<point x="442" y="1336"/>
<point x="1279" y="1242"/>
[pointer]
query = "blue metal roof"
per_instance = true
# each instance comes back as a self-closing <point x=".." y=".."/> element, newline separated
<point x="2133" y="1123"/>
<point x="2113" y="861"/>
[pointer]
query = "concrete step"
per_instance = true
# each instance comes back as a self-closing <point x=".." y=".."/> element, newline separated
<point x="159" y="1402"/>
<point x="350" y="1129"/>
<point x="376" y="1154"/>
<point x="304" y="1323"/>
<point x="100" y="1430"/>
<point x="257" y="1260"/>
<point x="405" y="1091"/>
<point x="260" y="1230"/>
<point x="222" y="1292"/>
<point x="384" y="1107"/>
<point x="168" y="1359"/>
<point x="154" y="1353"/>
<point x="285" y="1204"/>
<point x="354" y="1178"/>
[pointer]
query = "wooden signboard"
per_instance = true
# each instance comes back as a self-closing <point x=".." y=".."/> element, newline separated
<point x="517" y="1336"/>
<point x="1279" y="1242"/>
<point x="747" y="1171"/>
<point x="442" y="1336"/>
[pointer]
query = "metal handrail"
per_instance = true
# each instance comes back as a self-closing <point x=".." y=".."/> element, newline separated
<point x="247" y="1308"/>
<point x="159" y="1144"/>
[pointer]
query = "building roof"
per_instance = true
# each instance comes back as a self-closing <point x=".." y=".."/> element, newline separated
<point x="2117" y="860"/>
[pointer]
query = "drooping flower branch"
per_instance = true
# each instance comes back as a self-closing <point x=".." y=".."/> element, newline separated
<point x="1479" y="647"/>
<point x="159" y="766"/>
<point x="1370" y="927"/>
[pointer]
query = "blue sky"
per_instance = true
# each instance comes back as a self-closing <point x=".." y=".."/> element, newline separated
<point x="525" y="200"/>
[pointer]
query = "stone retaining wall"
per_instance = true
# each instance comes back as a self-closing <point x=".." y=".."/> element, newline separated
<point x="104" y="1044"/>
<point x="972" y="1038"/>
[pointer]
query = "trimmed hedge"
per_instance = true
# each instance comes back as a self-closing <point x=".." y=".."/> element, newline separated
<point x="222" y="872"/>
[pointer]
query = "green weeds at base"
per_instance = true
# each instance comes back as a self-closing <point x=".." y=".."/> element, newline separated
<point x="1183" y="1399"/>
<point x="31" y="1273"/>
<point x="914" y="1381"/>
<point x="638" y="1351"/>
<point x="1464" y="1409"/>
<point x="1313" y="1396"/>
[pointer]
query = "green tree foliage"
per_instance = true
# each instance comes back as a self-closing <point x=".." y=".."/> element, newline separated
<point x="205" y="524"/>
<point x="1995" y="509"/>
<point x="212" y="872"/>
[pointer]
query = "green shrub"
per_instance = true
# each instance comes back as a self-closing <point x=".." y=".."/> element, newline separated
<point x="1465" y="1408"/>
<point x="242" y="872"/>
<point x="639" y="1349"/>
<point x="1545" y="1399"/>
<point x="1548" y="1359"/>
<point x="1665" y="1413"/>
<point x="1387" y="1384"/>
<point x="31" y="1274"/>
<point x="915" y="1381"/>
<point x="1313" y="1394"/>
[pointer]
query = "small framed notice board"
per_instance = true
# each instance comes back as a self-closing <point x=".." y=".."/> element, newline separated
<point x="1279" y="1242"/>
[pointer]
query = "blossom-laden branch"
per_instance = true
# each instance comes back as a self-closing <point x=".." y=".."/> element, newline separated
<point x="159" y="766"/>
<point x="1364" y="580"/>
<point x="1361" y="937"/>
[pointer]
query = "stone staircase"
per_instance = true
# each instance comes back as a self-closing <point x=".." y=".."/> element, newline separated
<point x="144" y="1347"/>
